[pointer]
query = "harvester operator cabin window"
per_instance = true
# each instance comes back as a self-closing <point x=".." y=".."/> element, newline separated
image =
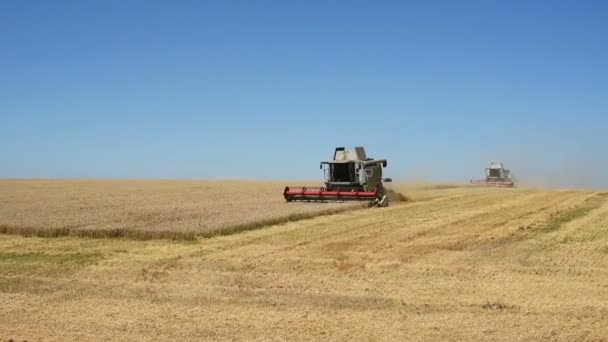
<point x="343" y="172"/>
<point x="494" y="173"/>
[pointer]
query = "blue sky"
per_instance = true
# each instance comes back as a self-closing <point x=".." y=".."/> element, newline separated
<point x="266" y="89"/>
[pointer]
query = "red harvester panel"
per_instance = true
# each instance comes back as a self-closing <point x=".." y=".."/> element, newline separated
<point x="321" y="194"/>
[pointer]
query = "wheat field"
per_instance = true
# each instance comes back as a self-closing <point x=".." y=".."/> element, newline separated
<point x="455" y="264"/>
<point x="147" y="208"/>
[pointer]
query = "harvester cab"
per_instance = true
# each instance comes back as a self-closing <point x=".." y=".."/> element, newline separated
<point x="497" y="171"/>
<point x="349" y="176"/>
<point x="496" y="175"/>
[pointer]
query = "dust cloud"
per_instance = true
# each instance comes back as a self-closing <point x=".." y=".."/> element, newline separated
<point x="529" y="169"/>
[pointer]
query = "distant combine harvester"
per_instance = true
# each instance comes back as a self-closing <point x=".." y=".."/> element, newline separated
<point x="496" y="175"/>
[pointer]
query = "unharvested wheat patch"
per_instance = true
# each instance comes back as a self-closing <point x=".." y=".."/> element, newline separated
<point x="138" y="209"/>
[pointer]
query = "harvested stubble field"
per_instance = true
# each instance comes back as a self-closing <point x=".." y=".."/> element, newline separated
<point x="458" y="264"/>
<point x="147" y="208"/>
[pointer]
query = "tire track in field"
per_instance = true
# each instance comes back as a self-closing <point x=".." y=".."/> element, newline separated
<point x="369" y="232"/>
<point x="362" y="224"/>
<point x="527" y="250"/>
<point x="475" y="232"/>
<point x="456" y="223"/>
<point x="345" y="247"/>
<point x="575" y="237"/>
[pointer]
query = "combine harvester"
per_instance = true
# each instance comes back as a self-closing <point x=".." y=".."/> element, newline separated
<point x="496" y="175"/>
<point x="350" y="176"/>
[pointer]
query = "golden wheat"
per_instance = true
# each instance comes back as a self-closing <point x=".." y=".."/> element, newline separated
<point x="146" y="208"/>
<point x="474" y="264"/>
